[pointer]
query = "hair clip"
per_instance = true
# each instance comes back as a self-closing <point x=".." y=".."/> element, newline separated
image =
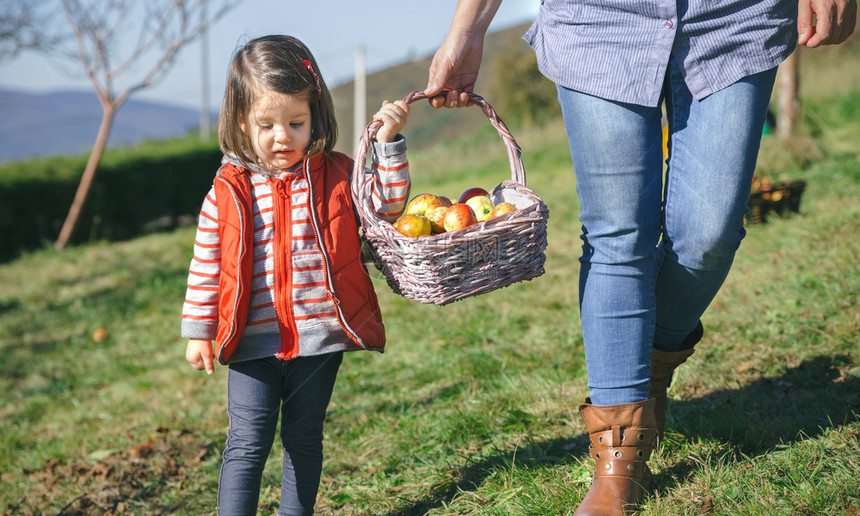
<point x="316" y="77"/>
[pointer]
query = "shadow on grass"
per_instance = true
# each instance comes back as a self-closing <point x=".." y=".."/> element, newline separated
<point x="799" y="404"/>
<point x="770" y="411"/>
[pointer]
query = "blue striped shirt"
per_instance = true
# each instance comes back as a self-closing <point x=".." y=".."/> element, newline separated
<point x="619" y="49"/>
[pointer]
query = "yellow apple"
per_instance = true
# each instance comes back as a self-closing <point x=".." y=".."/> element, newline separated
<point x="422" y="204"/>
<point x="413" y="225"/>
<point x="481" y="205"/>
<point x="501" y="209"/>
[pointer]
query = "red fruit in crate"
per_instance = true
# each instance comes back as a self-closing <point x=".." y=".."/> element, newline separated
<point x="445" y="201"/>
<point x="472" y="192"/>
<point x="459" y="216"/>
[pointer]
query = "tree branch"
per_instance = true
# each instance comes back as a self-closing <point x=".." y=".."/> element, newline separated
<point x="96" y="26"/>
<point x="26" y="25"/>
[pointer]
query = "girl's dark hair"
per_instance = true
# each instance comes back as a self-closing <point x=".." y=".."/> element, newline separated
<point x="273" y="63"/>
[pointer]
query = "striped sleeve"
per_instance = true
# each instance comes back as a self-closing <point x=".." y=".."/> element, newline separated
<point x="388" y="181"/>
<point x="200" y="311"/>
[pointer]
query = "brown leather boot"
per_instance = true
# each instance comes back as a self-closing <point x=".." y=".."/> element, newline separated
<point x="622" y="437"/>
<point x="663" y="365"/>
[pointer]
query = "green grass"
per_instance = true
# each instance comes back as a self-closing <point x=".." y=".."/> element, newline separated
<point x="473" y="407"/>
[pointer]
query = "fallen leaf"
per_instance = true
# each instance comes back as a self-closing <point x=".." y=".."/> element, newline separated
<point x="142" y="451"/>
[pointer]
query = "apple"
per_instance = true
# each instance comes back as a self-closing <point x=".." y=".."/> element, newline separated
<point x="437" y="219"/>
<point x="472" y="192"/>
<point x="413" y="225"/>
<point x="422" y="204"/>
<point x="459" y="216"/>
<point x="482" y="206"/>
<point x="501" y="209"/>
<point x="445" y="201"/>
<point x="100" y="335"/>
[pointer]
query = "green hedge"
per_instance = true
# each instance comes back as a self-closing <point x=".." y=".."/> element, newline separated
<point x="157" y="185"/>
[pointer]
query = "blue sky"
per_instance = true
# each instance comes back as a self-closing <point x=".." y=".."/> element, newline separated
<point x="390" y="30"/>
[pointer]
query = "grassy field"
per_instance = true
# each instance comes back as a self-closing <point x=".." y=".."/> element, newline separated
<point x="472" y="409"/>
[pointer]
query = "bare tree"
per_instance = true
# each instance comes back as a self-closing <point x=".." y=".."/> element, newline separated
<point x="26" y="25"/>
<point x="100" y="27"/>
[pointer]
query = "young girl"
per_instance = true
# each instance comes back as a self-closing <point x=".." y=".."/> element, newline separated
<point x="277" y="278"/>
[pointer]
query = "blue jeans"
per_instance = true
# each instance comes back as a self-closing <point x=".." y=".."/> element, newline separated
<point x="258" y="392"/>
<point x="656" y="251"/>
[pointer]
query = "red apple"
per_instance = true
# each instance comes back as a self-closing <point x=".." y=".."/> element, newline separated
<point x="482" y="206"/>
<point x="459" y="216"/>
<point x="445" y="201"/>
<point x="472" y="192"/>
<point x="413" y="225"/>
<point x="501" y="209"/>
<point x="437" y="219"/>
<point x="422" y="204"/>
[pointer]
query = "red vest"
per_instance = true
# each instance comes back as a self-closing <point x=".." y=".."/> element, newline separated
<point x="349" y="287"/>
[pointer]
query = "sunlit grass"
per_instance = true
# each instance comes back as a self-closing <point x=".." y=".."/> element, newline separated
<point x="473" y="407"/>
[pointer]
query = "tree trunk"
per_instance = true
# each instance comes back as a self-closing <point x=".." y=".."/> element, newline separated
<point x="789" y="105"/>
<point x="87" y="178"/>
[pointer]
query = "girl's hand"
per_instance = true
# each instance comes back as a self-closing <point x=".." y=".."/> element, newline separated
<point x="199" y="355"/>
<point x="393" y="116"/>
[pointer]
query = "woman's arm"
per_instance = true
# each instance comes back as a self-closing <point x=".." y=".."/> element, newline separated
<point x="455" y="65"/>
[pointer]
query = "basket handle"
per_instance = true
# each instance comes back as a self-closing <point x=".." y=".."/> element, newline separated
<point x="518" y="173"/>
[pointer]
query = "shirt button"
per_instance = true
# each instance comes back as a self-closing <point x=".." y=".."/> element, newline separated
<point x="669" y="24"/>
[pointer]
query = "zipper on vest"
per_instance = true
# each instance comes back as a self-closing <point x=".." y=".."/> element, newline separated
<point x="282" y="263"/>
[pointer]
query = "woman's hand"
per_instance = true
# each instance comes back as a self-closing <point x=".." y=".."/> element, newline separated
<point x="393" y="116"/>
<point x="834" y="21"/>
<point x="199" y="354"/>
<point x="455" y="68"/>
<point x="455" y="65"/>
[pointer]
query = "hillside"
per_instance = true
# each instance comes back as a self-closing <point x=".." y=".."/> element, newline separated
<point x="426" y="126"/>
<point x="66" y="122"/>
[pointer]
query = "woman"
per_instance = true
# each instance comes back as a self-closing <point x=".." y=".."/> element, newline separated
<point x="655" y="251"/>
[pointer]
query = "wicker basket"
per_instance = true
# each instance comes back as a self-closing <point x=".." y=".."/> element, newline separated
<point x="447" y="267"/>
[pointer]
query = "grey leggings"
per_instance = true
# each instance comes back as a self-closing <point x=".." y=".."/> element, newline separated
<point x="259" y="391"/>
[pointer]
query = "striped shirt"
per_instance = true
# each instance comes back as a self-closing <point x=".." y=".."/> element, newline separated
<point x="619" y="49"/>
<point x="312" y="312"/>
